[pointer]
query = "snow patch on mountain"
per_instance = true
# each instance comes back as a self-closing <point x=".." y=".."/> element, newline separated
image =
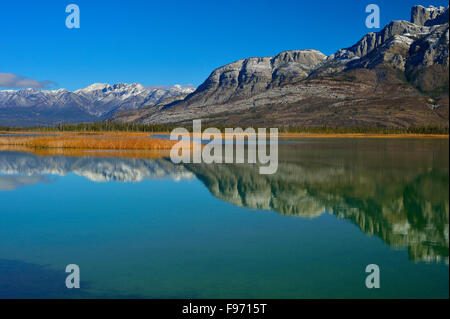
<point x="98" y="100"/>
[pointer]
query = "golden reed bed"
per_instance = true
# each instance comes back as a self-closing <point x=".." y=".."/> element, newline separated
<point x="120" y="144"/>
<point x="128" y="144"/>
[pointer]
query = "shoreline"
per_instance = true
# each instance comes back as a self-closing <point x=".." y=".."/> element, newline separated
<point x="140" y="144"/>
<point x="362" y="135"/>
<point x="75" y="142"/>
<point x="122" y="134"/>
<point x="344" y="135"/>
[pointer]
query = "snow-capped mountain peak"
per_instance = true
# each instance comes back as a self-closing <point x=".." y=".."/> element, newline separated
<point x="98" y="100"/>
<point x="108" y="99"/>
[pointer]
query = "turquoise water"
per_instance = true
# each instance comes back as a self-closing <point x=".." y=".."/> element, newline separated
<point x="146" y="228"/>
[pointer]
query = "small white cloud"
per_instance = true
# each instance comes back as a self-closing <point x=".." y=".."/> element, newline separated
<point x="14" y="81"/>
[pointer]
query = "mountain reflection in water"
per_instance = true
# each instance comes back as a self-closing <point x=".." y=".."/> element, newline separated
<point x="394" y="189"/>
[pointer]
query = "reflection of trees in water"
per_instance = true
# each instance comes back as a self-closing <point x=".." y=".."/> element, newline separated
<point x="396" y="191"/>
<point x="406" y="206"/>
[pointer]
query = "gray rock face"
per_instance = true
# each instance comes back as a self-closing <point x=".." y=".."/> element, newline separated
<point x="245" y="78"/>
<point x="417" y="51"/>
<point x="373" y="41"/>
<point x="431" y="49"/>
<point x="429" y="16"/>
<point x="398" y="42"/>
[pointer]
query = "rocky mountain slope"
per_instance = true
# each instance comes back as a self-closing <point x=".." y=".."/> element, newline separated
<point x="93" y="103"/>
<point x="395" y="77"/>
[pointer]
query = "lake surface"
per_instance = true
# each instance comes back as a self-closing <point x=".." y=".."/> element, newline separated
<point x="146" y="228"/>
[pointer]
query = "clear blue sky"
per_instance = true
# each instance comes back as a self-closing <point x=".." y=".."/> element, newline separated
<point x="172" y="42"/>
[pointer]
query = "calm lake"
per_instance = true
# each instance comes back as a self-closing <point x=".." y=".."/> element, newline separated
<point x="147" y="228"/>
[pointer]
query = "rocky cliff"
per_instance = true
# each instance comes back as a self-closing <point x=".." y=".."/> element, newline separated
<point x="245" y="78"/>
<point x="429" y="16"/>
<point x="395" y="77"/>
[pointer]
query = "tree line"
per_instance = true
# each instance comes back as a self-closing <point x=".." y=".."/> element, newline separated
<point x="134" y="127"/>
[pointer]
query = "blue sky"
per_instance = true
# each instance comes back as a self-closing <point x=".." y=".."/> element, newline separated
<point x="172" y="42"/>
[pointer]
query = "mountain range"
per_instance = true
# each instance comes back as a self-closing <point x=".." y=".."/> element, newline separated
<point x="397" y="77"/>
<point x="94" y="103"/>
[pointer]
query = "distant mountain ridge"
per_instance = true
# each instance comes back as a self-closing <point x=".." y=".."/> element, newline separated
<point x="395" y="77"/>
<point x="93" y="103"/>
